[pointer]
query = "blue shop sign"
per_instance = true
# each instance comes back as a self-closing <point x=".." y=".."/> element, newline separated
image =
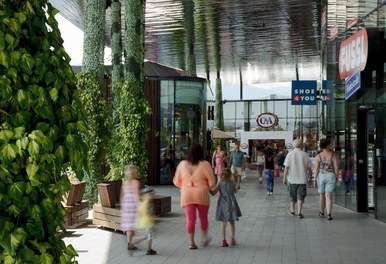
<point x="327" y="92"/>
<point x="352" y="84"/>
<point x="303" y="93"/>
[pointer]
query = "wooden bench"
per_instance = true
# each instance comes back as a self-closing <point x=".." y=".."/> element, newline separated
<point x="76" y="207"/>
<point x="111" y="217"/>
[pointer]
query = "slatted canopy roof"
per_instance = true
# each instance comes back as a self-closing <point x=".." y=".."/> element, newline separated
<point x="265" y="40"/>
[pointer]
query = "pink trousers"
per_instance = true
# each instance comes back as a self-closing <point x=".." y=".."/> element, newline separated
<point x="190" y="212"/>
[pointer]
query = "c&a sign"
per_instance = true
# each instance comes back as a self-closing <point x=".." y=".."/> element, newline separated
<point x="267" y="120"/>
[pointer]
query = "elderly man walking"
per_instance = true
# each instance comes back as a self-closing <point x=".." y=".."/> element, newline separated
<point x="297" y="165"/>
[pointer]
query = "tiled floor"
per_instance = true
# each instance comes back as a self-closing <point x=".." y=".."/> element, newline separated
<point x="266" y="233"/>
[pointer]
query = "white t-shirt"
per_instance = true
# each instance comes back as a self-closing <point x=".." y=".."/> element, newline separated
<point x="298" y="163"/>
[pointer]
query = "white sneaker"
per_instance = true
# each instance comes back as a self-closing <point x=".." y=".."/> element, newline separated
<point x="270" y="193"/>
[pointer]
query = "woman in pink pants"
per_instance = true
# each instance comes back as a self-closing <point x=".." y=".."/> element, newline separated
<point x="194" y="177"/>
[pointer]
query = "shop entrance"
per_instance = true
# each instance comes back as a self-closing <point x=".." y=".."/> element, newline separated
<point x="276" y="144"/>
<point x="366" y="160"/>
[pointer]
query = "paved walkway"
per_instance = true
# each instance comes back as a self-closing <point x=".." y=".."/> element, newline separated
<point x="266" y="233"/>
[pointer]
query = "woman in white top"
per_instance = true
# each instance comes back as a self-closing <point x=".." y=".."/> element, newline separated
<point x="325" y="174"/>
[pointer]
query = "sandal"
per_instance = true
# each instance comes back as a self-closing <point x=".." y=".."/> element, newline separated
<point x="224" y="243"/>
<point x="329" y="217"/>
<point x="193" y="247"/>
<point x="291" y="213"/>
<point x="206" y="241"/>
<point x="321" y="215"/>
<point x="131" y="247"/>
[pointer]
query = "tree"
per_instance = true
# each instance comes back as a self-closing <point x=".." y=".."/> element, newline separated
<point x="41" y="126"/>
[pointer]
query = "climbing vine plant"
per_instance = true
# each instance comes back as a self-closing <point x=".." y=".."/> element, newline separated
<point x="130" y="144"/>
<point x="99" y="130"/>
<point x="41" y="122"/>
<point x="90" y="85"/>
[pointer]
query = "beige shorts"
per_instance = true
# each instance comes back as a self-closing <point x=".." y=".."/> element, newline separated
<point x="237" y="171"/>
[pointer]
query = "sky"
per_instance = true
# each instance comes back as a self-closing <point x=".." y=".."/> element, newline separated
<point x="73" y="44"/>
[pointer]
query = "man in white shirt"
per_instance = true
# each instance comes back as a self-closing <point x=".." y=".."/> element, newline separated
<point x="297" y="166"/>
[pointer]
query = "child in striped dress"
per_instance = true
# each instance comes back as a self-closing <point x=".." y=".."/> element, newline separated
<point x="129" y="199"/>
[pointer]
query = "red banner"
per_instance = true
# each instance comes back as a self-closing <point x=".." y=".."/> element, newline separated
<point x="353" y="54"/>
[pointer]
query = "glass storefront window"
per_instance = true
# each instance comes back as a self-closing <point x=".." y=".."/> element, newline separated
<point x="182" y="104"/>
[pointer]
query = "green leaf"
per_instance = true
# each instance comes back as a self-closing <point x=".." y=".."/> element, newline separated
<point x="16" y="190"/>
<point x="36" y="212"/>
<point x="32" y="169"/>
<point x="14" y="210"/>
<point x="46" y="258"/>
<point x="54" y="60"/>
<point x="70" y="141"/>
<point x="42" y="126"/>
<point x="2" y="43"/>
<point x="10" y="40"/>
<point x="15" y="57"/>
<point x="5" y="88"/>
<point x="54" y="94"/>
<point x="17" y="238"/>
<point x="9" y="152"/>
<point x="13" y="24"/>
<point x="26" y="254"/>
<point x="60" y="153"/>
<point x="49" y="77"/>
<point x="19" y="132"/>
<point x="27" y="62"/>
<point x="20" y="96"/>
<point x="8" y="259"/>
<point x="82" y="126"/>
<point x="33" y="148"/>
<point x="70" y="127"/>
<point x="47" y="144"/>
<point x="12" y="72"/>
<point x="21" y="17"/>
<point x="3" y="59"/>
<point x="6" y="135"/>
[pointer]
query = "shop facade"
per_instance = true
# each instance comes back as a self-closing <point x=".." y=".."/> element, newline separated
<point x="354" y="58"/>
<point x="178" y="119"/>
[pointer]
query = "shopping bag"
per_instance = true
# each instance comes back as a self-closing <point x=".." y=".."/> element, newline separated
<point x="276" y="173"/>
<point x="243" y="176"/>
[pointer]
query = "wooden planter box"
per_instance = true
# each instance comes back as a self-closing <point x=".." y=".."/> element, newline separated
<point x="77" y="209"/>
<point x="107" y="194"/>
<point x="111" y="217"/>
<point x="75" y="195"/>
<point x="76" y="214"/>
<point x="162" y="204"/>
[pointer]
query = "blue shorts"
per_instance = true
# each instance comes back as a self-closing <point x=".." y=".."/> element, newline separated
<point x="326" y="182"/>
<point x="150" y="233"/>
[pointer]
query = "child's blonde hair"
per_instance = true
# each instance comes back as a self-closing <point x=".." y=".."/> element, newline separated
<point x="131" y="172"/>
<point x="226" y="174"/>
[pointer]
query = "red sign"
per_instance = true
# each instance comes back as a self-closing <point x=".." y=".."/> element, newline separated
<point x="353" y="54"/>
<point x="352" y="23"/>
<point x="267" y="120"/>
<point x="334" y="32"/>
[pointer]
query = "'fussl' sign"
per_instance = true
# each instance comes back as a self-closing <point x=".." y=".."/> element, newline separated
<point x="353" y="54"/>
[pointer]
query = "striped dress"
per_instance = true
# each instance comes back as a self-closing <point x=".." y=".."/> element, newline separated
<point x="128" y="208"/>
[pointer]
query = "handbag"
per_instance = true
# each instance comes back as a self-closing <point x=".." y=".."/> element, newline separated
<point x="276" y="172"/>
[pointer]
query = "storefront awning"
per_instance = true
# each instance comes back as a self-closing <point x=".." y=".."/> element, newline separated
<point x="218" y="134"/>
